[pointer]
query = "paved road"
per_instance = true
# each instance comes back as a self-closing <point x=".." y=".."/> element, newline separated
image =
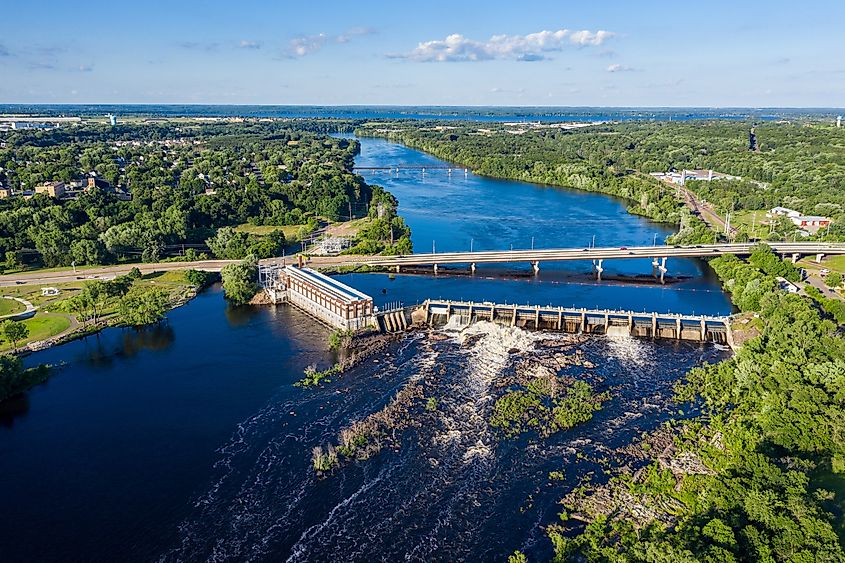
<point x="105" y="272"/>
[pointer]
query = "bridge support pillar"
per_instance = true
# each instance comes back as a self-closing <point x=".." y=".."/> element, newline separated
<point x="654" y="325"/>
<point x="397" y="268"/>
<point x="470" y="314"/>
<point x="795" y="258"/>
<point x="583" y="323"/>
<point x="663" y="270"/>
<point x="678" y="328"/>
<point x="598" y="266"/>
<point x="536" y="266"/>
<point x="606" y="322"/>
<point x="472" y="268"/>
<point x="513" y="318"/>
<point x="654" y="266"/>
<point x="819" y="257"/>
<point x="537" y="318"/>
<point x="630" y="324"/>
<point x="435" y="269"/>
<point x="703" y="330"/>
<point x="560" y="319"/>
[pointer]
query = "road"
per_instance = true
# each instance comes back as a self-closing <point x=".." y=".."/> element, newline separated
<point x="482" y="257"/>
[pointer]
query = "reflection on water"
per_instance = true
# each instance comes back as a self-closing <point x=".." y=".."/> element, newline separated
<point x="157" y="337"/>
<point x="13" y="408"/>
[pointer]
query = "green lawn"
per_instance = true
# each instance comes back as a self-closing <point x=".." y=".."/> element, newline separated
<point x="41" y="327"/>
<point x="10" y="307"/>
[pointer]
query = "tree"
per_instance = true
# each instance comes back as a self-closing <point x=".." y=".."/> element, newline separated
<point x="88" y="251"/>
<point x="15" y="379"/>
<point x="833" y="279"/>
<point x="240" y="281"/>
<point x="14" y="332"/>
<point x="197" y="278"/>
<point x="138" y="308"/>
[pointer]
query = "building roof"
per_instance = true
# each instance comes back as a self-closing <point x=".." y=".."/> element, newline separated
<point x="333" y="287"/>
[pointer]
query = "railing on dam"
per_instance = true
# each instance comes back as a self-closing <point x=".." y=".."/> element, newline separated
<point x="702" y="328"/>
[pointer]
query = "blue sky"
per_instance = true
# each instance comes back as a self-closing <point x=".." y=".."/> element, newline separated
<point x="496" y="52"/>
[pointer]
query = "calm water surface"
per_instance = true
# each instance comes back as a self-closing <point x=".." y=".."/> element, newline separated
<point x="187" y="441"/>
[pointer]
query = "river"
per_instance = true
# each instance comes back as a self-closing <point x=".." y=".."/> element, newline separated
<point x="187" y="441"/>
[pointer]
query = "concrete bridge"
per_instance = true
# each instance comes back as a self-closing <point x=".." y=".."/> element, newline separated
<point x="658" y="255"/>
<point x="700" y="328"/>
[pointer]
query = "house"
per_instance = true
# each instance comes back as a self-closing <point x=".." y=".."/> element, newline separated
<point x="52" y="189"/>
<point x="811" y="223"/>
<point x="95" y="183"/>
<point x="782" y="212"/>
<point x="5" y="192"/>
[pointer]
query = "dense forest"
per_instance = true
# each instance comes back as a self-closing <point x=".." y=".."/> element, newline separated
<point x="186" y="182"/>
<point x="745" y="481"/>
<point x="800" y="165"/>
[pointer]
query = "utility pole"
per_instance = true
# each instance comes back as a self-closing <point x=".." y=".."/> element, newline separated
<point x="471" y="241"/>
<point x="532" y="243"/>
<point x="593" y="244"/>
<point x="433" y="248"/>
<point x="654" y="241"/>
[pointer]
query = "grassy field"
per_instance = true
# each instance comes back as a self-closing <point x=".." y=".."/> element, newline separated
<point x="752" y="222"/>
<point x="41" y="327"/>
<point x="53" y="314"/>
<point x="10" y="307"/>
<point x="290" y="231"/>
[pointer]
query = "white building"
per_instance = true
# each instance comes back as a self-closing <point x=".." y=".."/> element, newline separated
<point x="681" y="178"/>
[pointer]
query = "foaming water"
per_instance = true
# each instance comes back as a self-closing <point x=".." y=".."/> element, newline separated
<point x="449" y="486"/>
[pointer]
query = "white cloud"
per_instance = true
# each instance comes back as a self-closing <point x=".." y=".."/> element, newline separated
<point x="619" y="68"/>
<point x="307" y="44"/>
<point x="247" y="44"/>
<point x="531" y="47"/>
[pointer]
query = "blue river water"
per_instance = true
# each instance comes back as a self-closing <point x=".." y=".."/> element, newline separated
<point x="458" y="212"/>
<point x="188" y="442"/>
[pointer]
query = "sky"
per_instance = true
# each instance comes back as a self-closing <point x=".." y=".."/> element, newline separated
<point x="711" y="53"/>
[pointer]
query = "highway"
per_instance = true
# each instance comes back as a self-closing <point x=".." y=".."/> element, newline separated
<point x="536" y="256"/>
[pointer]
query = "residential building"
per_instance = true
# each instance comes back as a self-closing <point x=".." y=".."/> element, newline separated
<point x="52" y="189"/>
<point x="5" y="192"/>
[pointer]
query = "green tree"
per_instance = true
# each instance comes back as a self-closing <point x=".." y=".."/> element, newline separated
<point x="197" y="278"/>
<point x="14" y="332"/>
<point x="240" y="281"/>
<point x="833" y="279"/>
<point x="141" y="307"/>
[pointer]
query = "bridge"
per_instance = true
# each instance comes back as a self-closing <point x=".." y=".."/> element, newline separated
<point x="658" y="255"/>
<point x="413" y="167"/>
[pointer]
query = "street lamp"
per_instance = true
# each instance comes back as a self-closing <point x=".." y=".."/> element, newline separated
<point x="433" y="248"/>
<point x="532" y="243"/>
<point x="654" y="241"/>
<point x="471" y="241"/>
